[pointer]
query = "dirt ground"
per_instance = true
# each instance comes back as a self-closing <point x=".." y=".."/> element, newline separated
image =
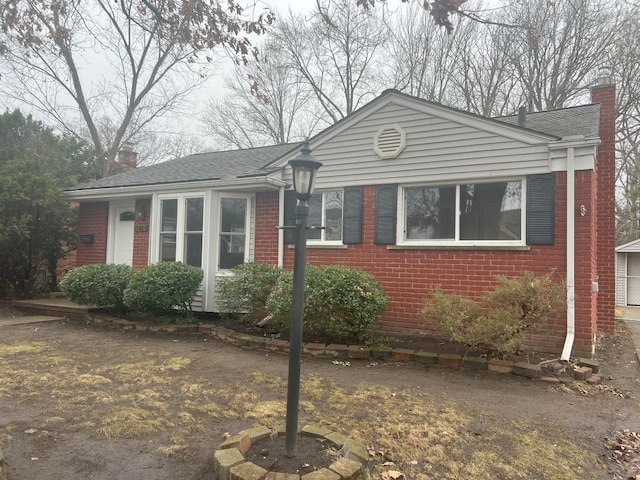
<point x="80" y="402"/>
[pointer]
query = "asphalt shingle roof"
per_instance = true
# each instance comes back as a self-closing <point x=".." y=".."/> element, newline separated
<point x="226" y="165"/>
<point x="582" y="120"/>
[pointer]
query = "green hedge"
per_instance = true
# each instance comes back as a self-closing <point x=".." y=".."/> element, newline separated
<point x="244" y="294"/>
<point x="163" y="287"/>
<point x="98" y="284"/>
<point x="340" y="302"/>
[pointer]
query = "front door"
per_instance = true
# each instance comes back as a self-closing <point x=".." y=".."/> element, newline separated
<point x="123" y="235"/>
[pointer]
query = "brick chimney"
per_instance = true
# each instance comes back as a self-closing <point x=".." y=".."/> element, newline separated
<point x="604" y="93"/>
<point x="127" y="157"/>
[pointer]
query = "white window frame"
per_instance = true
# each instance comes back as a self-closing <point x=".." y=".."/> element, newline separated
<point x="180" y="225"/>
<point x="456" y="242"/>
<point x="321" y="240"/>
<point x="247" y="228"/>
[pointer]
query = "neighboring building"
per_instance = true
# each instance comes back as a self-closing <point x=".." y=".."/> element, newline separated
<point x="413" y="192"/>
<point x="628" y="274"/>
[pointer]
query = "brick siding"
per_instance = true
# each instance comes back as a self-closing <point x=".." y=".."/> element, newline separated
<point x="409" y="275"/>
<point x="605" y="227"/>
<point x="266" y="234"/>
<point x="93" y="219"/>
<point x="141" y="234"/>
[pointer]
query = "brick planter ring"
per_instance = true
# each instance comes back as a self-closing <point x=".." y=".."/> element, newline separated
<point x="230" y="462"/>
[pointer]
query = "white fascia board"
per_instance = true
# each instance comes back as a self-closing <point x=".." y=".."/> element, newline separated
<point x="270" y="183"/>
<point x="623" y="248"/>
<point x="585" y="152"/>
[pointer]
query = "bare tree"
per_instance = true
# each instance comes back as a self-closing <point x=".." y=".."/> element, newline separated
<point x="483" y="76"/>
<point x="335" y="52"/>
<point x="440" y="10"/>
<point x="560" y="50"/>
<point x="420" y="57"/>
<point x="268" y="103"/>
<point x="626" y="71"/>
<point x="151" y="54"/>
<point x="467" y="69"/>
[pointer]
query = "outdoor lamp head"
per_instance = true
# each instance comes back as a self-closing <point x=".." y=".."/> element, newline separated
<point x="304" y="168"/>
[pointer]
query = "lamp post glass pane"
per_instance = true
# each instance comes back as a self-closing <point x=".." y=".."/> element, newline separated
<point x="302" y="180"/>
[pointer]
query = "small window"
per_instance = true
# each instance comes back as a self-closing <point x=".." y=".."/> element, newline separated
<point x="127" y="216"/>
<point x="491" y="211"/>
<point x="233" y="235"/>
<point x="181" y="230"/>
<point x="168" y="224"/>
<point x="193" y="231"/>
<point x="325" y="209"/>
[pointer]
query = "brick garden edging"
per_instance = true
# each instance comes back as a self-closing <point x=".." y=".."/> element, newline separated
<point x="230" y="462"/>
<point x="584" y="369"/>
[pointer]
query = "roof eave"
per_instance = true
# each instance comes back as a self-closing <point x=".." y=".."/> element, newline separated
<point x="270" y="183"/>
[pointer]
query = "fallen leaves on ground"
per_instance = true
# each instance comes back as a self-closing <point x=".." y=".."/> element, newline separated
<point x="624" y="452"/>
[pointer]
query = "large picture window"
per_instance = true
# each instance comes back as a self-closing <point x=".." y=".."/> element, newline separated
<point x="181" y="230"/>
<point x="465" y="213"/>
<point x="325" y="209"/>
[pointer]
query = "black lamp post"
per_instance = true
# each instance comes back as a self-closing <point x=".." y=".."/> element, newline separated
<point x="304" y="167"/>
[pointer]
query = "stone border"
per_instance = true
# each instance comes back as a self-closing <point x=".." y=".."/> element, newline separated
<point x="230" y="462"/>
<point x="584" y="370"/>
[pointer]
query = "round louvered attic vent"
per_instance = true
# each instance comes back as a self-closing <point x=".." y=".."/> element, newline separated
<point x="389" y="141"/>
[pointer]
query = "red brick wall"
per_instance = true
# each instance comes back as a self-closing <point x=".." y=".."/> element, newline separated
<point x="605" y="227"/>
<point x="141" y="234"/>
<point x="266" y="234"/>
<point x="93" y="219"/>
<point x="409" y="275"/>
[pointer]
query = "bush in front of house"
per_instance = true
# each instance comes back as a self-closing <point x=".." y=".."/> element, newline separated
<point x="97" y="284"/>
<point x="163" y="287"/>
<point x="340" y="302"/>
<point x="243" y="295"/>
<point x="500" y="319"/>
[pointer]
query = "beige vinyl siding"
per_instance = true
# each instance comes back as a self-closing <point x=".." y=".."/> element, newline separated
<point x="252" y="230"/>
<point x="436" y="150"/>
<point x="197" y="302"/>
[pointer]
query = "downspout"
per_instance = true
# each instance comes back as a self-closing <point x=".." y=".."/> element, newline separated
<point x="280" y="230"/>
<point x="571" y="266"/>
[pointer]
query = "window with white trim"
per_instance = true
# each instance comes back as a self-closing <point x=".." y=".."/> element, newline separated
<point x="181" y="230"/>
<point x="234" y="218"/>
<point x="325" y="209"/>
<point x="467" y="213"/>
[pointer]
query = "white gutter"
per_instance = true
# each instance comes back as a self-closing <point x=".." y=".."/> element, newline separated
<point x="571" y="266"/>
<point x="140" y="190"/>
<point x="280" y="230"/>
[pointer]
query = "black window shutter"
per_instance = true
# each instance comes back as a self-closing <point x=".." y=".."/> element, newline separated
<point x="541" y="193"/>
<point x="385" y="223"/>
<point x="352" y="215"/>
<point x="290" y="201"/>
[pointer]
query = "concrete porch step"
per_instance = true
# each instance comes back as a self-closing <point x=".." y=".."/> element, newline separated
<point x="5" y="322"/>
<point x="57" y="307"/>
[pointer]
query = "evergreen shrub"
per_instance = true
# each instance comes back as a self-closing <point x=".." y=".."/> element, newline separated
<point x="243" y="295"/>
<point x="99" y="284"/>
<point x="163" y="287"/>
<point x="340" y="302"/>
